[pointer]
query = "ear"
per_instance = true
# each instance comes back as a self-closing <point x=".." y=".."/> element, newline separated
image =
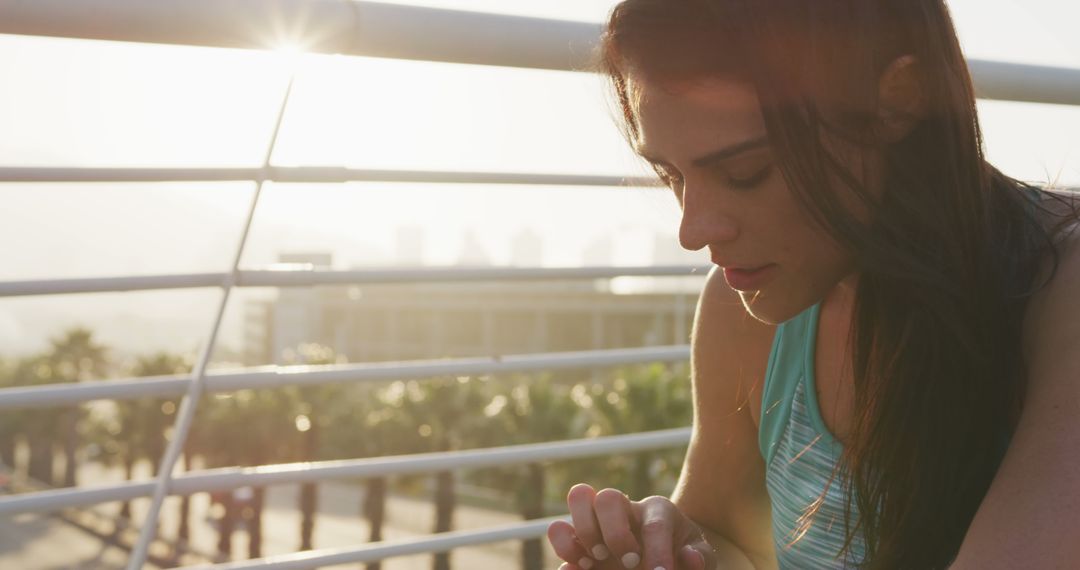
<point x="902" y="100"/>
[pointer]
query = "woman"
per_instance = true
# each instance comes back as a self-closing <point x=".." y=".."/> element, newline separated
<point x="886" y="362"/>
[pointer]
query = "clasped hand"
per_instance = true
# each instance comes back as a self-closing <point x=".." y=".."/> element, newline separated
<point x="611" y="532"/>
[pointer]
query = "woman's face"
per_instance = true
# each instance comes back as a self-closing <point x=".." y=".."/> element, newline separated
<point x="707" y="140"/>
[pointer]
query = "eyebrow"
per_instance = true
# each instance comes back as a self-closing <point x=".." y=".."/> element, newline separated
<point x="721" y="154"/>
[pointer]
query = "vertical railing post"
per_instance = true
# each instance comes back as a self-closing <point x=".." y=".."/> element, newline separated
<point x="195" y="386"/>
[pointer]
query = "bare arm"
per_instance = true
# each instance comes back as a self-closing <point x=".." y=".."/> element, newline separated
<point x="722" y="485"/>
<point x="718" y="518"/>
<point x="728" y="556"/>
<point x="1028" y="518"/>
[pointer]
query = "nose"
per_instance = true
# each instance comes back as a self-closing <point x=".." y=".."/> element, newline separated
<point x="704" y="222"/>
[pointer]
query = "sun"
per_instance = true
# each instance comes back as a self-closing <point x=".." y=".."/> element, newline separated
<point x="289" y="54"/>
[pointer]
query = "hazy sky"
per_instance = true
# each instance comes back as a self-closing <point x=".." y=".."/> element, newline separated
<point x="84" y="103"/>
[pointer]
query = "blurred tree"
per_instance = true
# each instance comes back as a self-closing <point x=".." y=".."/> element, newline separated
<point x="366" y="425"/>
<point x="448" y="415"/>
<point x="530" y="411"/>
<point x="644" y="399"/>
<point x="9" y="419"/>
<point x="311" y="420"/>
<point x="145" y="422"/>
<point x="247" y="427"/>
<point x="75" y="357"/>
<point x="40" y="427"/>
<point x="135" y="430"/>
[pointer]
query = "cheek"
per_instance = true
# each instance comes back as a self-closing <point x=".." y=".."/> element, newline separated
<point x="799" y="239"/>
<point x="812" y="265"/>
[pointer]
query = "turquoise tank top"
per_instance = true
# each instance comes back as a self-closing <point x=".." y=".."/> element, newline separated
<point x="800" y="455"/>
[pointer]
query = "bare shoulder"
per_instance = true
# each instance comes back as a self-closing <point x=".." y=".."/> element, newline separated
<point x="1028" y="517"/>
<point x="1057" y="300"/>
<point x="1053" y="313"/>
<point x="729" y="343"/>
<point x="722" y="316"/>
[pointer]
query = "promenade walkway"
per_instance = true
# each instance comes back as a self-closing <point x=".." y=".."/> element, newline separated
<point x="45" y="542"/>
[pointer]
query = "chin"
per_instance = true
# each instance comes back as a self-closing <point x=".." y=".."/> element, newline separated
<point x="769" y="309"/>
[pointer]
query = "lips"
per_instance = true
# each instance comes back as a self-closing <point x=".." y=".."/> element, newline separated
<point x="748" y="279"/>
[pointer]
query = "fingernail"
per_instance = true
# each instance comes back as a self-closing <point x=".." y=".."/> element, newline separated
<point x="585" y="563"/>
<point x="600" y="552"/>
<point x="631" y="560"/>
<point x="694" y="552"/>
<point x="659" y="568"/>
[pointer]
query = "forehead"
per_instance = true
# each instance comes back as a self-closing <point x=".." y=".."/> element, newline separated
<point x="692" y="116"/>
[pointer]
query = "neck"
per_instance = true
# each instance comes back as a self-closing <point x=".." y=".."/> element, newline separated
<point x="843" y="294"/>
<point x="837" y="306"/>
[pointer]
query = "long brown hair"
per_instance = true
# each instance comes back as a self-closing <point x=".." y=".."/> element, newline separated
<point x="947" y="260"/>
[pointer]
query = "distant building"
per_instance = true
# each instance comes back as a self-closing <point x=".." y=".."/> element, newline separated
<point x="409" y="246"/>
<point x="599" y="253"/>
<point x="373" y="323"/>
<point x="287" y="322"/>
<point x="527" y="249"/>
<point x="667" y="251"/>
<point x="472" y="252"/>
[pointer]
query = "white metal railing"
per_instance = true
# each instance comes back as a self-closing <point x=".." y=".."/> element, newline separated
<point x="310" y="174"/>
<point x="307" y="276"/>
<point x="352" y="27"/>
<point x="370" y="29"/>
<point x="280" y="376"/>
<point x="344" y="27"/>
<point x="186" y="415"/>
<point x="435" y="543"/>
<point x="307" y="472"/>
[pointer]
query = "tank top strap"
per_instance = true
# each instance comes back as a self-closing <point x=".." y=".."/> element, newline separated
<point x="786" y="367"/>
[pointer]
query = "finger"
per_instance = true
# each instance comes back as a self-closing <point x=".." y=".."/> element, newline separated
<point x="614" y="514"/>
<point x="697" y="556"/>
<point x="580" y="500"/>
<point x="658" y="519"/>
<point x="565" y="543"/>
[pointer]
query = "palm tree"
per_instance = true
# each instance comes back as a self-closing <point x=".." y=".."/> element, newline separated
<point x="9" y="425"/>
<point x="312" y="417"/>
<point x="448" y="414"/>
<point x="143" y="424"/>
<point x="40" y="428"/>
<point x="644" y="399"/>
<point x="135" y="431"/>
<point x="530" y="411"/>
<point x="365" y="423"/>
<point x="75" y="357"/>
<point x="248" y="427"/>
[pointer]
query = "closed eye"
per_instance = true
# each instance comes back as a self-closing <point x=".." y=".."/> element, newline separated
<point x="752" y="181"/>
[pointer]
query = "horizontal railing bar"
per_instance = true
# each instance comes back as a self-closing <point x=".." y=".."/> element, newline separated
<point x="1025" y="83"/>
<point x="309" y="174"/>
<point x="232" y="478"/>
<point x="375" y="29"/>
<point x="59" y="499"/>
<point x="290" y="473"/>
<point x="318" y="26"/>
<point x="279" y="376"/>
<point x="459" y="274"/>
<point x="440" y="542"/>
<point x="43" y="287"/>
<point x="308" y="276"/>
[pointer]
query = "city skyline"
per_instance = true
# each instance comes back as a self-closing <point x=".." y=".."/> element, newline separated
<point x="86" y="103"/>
<point x="178" y="320"/>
